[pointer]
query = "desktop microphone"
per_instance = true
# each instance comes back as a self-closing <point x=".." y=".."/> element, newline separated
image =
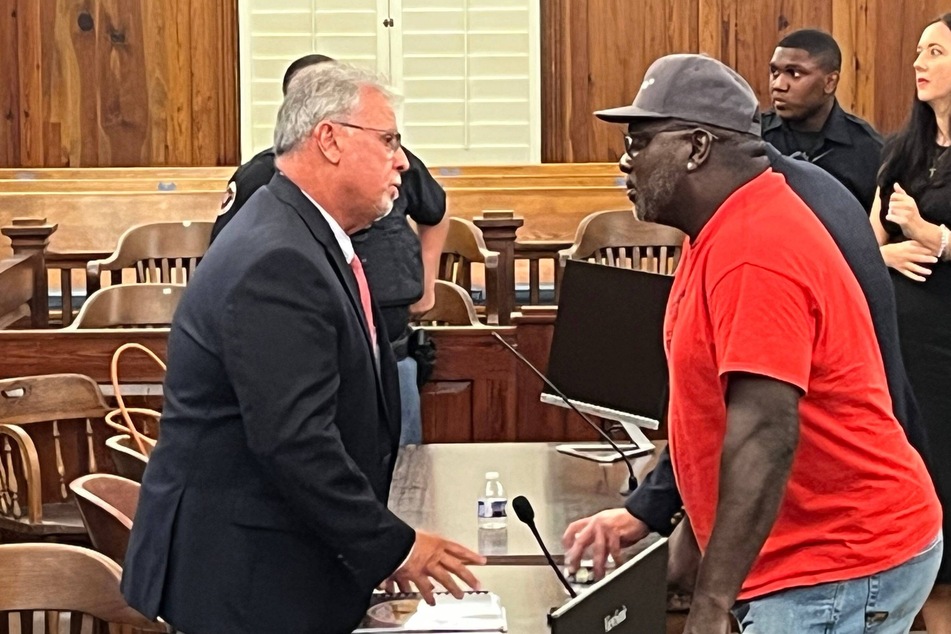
<point x="631" y="479"/>
<point x="525" y="512"/>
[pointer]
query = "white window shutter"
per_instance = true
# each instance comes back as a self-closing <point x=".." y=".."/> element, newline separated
<point x="468" y="69"/>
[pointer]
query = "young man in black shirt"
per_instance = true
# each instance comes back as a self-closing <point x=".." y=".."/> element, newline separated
<point x="808" y="123"/>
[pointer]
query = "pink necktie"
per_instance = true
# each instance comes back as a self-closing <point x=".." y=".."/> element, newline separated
<point x="357" y="267"/>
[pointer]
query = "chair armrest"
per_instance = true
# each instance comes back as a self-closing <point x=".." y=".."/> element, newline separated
<point x="30" y="462"/>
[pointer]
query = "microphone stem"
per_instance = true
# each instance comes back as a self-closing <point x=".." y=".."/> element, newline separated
<point x="631" y="478"/>
<point x="551" y="561"/>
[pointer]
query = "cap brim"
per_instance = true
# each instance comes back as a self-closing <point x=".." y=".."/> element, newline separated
<point x="627" y="113"/>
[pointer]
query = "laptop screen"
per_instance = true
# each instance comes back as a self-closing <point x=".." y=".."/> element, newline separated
<point x="607" y="349"/>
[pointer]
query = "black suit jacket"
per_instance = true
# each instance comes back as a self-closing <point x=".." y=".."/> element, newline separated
<point x="263" y="507"/>
<point x="657" y="499"/>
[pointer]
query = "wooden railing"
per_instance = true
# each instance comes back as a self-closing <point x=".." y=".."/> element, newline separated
<point x="67" y="272"/>
<point x="93" y="206"/>
<point x="532" y="269"/>
<point x="540" y="258"/>
<point x="23" y="283"/>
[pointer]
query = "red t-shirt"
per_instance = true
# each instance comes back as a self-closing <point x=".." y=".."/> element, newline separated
<point x="764" y="290"/>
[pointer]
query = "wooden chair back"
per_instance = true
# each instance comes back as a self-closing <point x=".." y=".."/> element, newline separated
<point x="453" y="307"/>
<point x="58" y="583"/>
<point x="50" y="433"/>
<point x="16" y="289"/>
<point x="618" y="238"/>
<point x="128" y="460"/>
<point x="465" y="246"/>
<point x="159" y="252"/>
<point x="130" y="306"/>
<point x="107" y="504"/>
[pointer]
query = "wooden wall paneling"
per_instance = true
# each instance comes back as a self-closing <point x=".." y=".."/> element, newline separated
<point x="848" y="22"/>
<point x="537" y="421"/>
<point x="564" y="48"/>
<point x="229" y="146"/>
<point x="162" y="50"/>
<point x="594" y="53"/>
<point x="625" y="37"/>
<point x="9" y="85"/>
<point x="595" y="57"/>
<point x="205" y="95"/>
<point x="446" y="408"/>
<point x="762" y="24"/>
<point x="119" y="83"/>
<point x="895" y="30"/>
<point x="123" y="92"/>
<point x="29" y="57"/>
<point x="475" y="356"/>
<point x="77" y="45"/>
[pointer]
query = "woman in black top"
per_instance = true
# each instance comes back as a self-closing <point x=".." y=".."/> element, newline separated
<point x="910" y="216"/>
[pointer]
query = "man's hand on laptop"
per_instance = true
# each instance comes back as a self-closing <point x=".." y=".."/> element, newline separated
<point x="605" y="533"/>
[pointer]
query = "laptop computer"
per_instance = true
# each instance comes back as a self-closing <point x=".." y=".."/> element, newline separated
<point x="631" y="600"/>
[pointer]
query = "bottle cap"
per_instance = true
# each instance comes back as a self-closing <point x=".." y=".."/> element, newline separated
<point x="491" y="475"/>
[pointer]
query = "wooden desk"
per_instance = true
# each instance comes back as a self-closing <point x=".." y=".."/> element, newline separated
<point x="435" y="488"/>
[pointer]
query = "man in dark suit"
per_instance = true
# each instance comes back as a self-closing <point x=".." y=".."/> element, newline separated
<point x="263" y="508"/>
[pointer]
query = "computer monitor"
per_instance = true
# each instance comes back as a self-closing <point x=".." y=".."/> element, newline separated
<point x="631" y="600"/>
<point x="607" y="350"/>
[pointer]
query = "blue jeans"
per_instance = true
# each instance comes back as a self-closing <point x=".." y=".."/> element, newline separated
<point x="883" y="603"/>
<point x="411" y="428"/>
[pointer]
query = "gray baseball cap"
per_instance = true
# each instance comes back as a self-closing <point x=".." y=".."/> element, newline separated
<point x="693" y="88"/>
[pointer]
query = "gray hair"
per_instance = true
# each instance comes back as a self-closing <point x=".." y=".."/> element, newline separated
<point x="322" y="91"/>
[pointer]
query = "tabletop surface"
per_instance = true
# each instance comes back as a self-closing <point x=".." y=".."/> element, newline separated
<point x="436" y="487"/>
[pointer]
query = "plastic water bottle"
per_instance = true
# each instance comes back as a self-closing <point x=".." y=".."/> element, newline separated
<point x="492" y="503"/>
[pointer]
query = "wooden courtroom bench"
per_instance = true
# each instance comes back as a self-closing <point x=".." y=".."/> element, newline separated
<point x="94" y="221"/>
<point x="225" y="172"/>
<point x="90" y="221"/>
<point x="118" y="185"/>
<point x="193" y="183"/>
<point x="110" y="173"/>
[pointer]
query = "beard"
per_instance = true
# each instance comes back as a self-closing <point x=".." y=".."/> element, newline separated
<point x="657" y="194"/>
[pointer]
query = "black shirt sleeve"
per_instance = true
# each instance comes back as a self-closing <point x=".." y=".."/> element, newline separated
<point x="425" y="198"/>
<point x="246" y="180"/>
<point x="656" y="500"/>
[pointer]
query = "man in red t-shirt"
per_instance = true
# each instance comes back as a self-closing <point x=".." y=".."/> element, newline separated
<point x="811" y="509"/>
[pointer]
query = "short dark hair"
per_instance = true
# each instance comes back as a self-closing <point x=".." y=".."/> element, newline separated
<point x="820" y="45"/>
<point x="302" y="62"/>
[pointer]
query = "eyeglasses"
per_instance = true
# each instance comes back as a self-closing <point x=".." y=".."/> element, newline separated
<point x="391" y="138"/>
<point x="638" y="142"/>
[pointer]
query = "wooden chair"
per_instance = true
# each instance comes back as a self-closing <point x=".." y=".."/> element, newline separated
<point x="44" y="582"/>
<point x="130" y="306"/>
<point x="50" y="434"/>
<point x="128" y="460"/>
<point x="159" y="252"/>
<point x="465" y="246"/>
<point x="107" y="504"/>
<point x="453" y="307"/>
<point x="617" y="238"/>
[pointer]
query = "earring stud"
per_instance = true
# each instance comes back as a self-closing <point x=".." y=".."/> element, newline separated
<point x="691" y="165"/>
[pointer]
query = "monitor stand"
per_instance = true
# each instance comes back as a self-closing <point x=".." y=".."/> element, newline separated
<point x="631" y="423"/>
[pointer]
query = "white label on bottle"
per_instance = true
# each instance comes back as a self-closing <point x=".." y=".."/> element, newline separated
<point x="492" y="507"/>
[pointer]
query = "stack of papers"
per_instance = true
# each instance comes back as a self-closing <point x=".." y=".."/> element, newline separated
<point x="407" y="612"/>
